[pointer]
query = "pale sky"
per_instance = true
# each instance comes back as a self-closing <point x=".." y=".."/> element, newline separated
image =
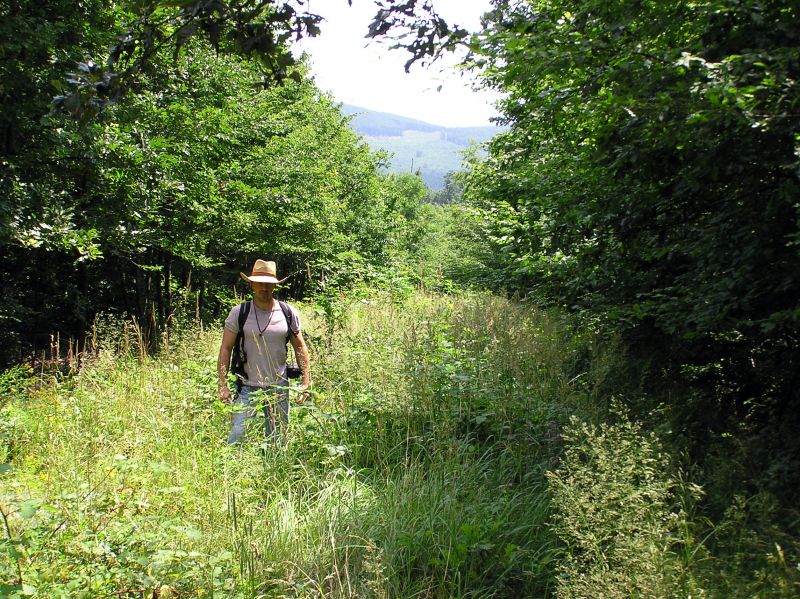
<point x="368" y="74"/>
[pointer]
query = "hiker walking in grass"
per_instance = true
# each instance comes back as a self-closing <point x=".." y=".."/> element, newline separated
<point x="256" y="334"/>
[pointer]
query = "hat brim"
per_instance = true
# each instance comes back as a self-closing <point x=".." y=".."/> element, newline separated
<point x="261" y="278"/>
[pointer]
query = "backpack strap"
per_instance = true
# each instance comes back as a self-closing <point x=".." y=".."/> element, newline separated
<point x="239" y="356"/>
<point x="244" y="312"/>
<point x="287" y="314"/>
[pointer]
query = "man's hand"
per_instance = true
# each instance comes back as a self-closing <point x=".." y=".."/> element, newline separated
<point x="303" y="393"/>
<point x="224" y="394"/>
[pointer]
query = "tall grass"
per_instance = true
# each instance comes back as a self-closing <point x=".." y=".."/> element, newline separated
<point x="419" y="468"/>
<point x="415" y="471"/>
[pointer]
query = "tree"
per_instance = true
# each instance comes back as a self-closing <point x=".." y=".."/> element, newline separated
<point x="44" y="167"/>
<point x="186" y="141"/>
<point x="261" y="30"/>
<point x="170" y="191"/>
<point x="208" y="170"/>
<point x="453" y="190"/>
<point x="650" y="175"/>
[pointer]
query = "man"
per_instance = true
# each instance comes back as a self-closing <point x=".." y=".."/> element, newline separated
<point x="266" y="329"/>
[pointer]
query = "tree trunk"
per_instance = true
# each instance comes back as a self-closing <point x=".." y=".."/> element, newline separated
<point x="201" y="288"/>
<point x="168" y="289"/>
<point x="159" y="309"/>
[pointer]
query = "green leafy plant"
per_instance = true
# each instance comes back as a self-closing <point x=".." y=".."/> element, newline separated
<point x="611" y="509"/>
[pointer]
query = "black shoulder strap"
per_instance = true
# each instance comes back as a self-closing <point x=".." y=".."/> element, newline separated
<point x="287" y="314"/>
<point x="238" y="355"/>
<point x="244" y="312"/>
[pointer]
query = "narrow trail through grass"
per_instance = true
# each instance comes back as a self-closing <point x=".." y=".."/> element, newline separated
<point x="419" y="469"/>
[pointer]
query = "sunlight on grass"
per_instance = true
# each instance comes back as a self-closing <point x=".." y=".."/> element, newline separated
<point x="418" y="468"/>
<point x="403" y="476"/>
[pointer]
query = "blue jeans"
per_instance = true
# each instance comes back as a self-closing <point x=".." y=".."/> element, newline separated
<point x="272" y="400"/>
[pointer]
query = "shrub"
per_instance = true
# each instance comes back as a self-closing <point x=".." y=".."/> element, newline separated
<point x="611" y="509"/>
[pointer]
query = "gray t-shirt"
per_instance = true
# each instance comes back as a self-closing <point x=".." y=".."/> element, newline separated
<point x="265" y="343"/>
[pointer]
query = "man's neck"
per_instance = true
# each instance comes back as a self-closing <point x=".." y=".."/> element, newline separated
<point x="266" y="306"/>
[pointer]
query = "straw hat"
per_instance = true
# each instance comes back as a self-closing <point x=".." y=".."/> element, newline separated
<point x="264" y="271"/>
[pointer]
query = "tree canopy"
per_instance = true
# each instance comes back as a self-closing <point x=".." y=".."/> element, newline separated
<point x="650" y="176"/>
<point x="151" y="203"/>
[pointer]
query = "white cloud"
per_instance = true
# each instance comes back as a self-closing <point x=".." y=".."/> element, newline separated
<point x="369" y="74"/>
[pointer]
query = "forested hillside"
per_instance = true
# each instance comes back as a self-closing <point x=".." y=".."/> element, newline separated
<point x="415" y="146"/>
<point x="573" y="372"/>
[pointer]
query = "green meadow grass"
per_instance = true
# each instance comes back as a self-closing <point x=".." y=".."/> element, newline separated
<point x="435" y="459"/>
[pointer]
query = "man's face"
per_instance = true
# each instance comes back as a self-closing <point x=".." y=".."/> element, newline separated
<point x="263" y="290"/>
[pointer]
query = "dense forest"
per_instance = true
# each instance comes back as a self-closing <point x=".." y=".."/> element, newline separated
<point x="572" y="372"/>
<point x="153" y="206"/>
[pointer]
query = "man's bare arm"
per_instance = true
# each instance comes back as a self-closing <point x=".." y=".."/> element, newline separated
<point x="223" y="360"/>
<point x="303" y="361"/>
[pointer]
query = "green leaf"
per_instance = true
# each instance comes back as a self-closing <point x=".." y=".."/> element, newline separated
<point x="29" y="507"/>
<point x="10" y="590"/>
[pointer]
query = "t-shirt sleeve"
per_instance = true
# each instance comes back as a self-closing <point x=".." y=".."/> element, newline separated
<point x="232" y="322"/>
<point x="294" y="316"/>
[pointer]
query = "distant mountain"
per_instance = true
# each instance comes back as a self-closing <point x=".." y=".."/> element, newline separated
<point x="432" y="150"/>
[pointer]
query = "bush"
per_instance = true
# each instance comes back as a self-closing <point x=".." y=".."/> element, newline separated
<point x="611" y="500"/>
